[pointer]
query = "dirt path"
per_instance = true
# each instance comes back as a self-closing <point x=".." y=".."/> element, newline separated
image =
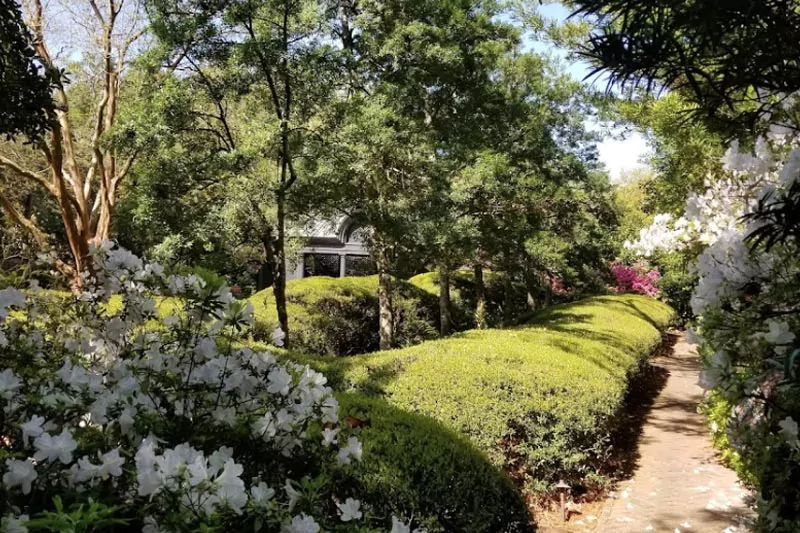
<point x="678" y="486"/>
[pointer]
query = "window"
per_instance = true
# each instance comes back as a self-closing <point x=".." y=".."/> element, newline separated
<point x="321" y="265"/>
<point x="359" y="265"/>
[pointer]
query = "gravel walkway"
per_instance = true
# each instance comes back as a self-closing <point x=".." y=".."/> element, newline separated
<point x="678" y="485"/>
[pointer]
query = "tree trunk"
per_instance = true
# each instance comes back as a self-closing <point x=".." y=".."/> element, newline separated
<point x="386" y="312"/>
<point x="532" y="288"/>
<point x="480" y="297"/>
<point x="508" y="299"/>
<point x="548" y="289"/>
<point x="445" y="319"/>
<point x="279" y="279"/>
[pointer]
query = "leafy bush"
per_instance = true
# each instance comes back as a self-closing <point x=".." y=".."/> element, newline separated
<point x="415" y="467"/>
<point x="677" y="283"/>
<point x="637" y="279"/>
<point x="339" y="316"/>
<point x="109" y="423"/>
<point x="180" y="428"/>
<point x="539" y="399"/>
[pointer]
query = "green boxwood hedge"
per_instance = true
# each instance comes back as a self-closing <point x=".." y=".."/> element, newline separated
<point x="540" y="400"/>
<point x="339" y="316"/>
<point x="415" y="466"/>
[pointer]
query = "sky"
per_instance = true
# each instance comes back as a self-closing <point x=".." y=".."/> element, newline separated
<point x="618" y="155"/>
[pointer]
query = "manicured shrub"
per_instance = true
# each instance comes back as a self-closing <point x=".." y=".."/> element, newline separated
<point x="339" y="316"/>
<point x="414" y="466"/>
<point x="539" y="399"/>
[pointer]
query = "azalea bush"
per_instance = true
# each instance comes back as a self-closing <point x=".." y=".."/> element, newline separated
<point x="109" y="424"/>
<point x="637" y="279"/>
<point x="748" y="320"/>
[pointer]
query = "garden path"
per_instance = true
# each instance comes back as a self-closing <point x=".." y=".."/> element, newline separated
<point x="678" y="485"/>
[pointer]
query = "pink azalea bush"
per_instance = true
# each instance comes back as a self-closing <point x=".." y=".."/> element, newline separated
<point x="638" y="279"/>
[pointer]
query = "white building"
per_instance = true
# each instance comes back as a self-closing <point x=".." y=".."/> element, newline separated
<point x="333" y="248"/>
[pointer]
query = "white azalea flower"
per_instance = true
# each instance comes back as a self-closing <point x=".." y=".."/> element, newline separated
<point x="49" y="448"/>
<point x="279" y="381"/>
<point x="293" y="494"/>
<point x="789" y="431"/>
<point x="302" y="524"/>
<point x="32" y="428"/>
<point x="111" y="464"/>
<point x="20" y="473"/>
<point x="350" y="510"/>
<point x="9" y="383"/>
<point x="260" y="494"/>
<point x="400" y="527"/>
<point x="329" y="436"/>
<point x="352" y="449"/>
<point x="278" y="337"/>
<point x="231" y="487"/>
<point x="12" y="524"/>
<point x="779" y="334"/>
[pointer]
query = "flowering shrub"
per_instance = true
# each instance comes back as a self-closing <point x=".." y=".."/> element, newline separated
<point x="116" y="425"/>
<point x="748" y="320"/>
<point x="638" y="279"/>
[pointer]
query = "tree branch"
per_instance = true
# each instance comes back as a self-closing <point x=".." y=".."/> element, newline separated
<point x="19" y="171"/>
<point x="21" y="220"/>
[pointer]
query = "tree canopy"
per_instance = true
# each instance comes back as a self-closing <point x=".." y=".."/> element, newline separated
<point x="24" y="83"/>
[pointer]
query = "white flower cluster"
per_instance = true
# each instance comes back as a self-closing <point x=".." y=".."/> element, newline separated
<point x="167" y="415"/>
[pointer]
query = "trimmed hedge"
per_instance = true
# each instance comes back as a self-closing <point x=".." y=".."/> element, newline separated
<point x="414" y="466"/>
<point x="540" y="400"/>
<point x="339" y="316"/>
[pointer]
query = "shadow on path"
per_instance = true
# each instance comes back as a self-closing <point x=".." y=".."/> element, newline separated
<point x="672" y="480"/>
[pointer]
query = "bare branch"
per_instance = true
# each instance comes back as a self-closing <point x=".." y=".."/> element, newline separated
<point x="24" y="173"/>
<point x="97" y="12"/>
<point x="22" y="220"/>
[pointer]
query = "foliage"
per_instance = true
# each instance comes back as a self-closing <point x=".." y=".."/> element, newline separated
<point x="339" y="316"/>
<point x="539" y="399"/>
<point x="167" y="430"/>
<point x="416" y="467"/>
<point x="677" y="282"/>
<point x="24" y="86"/>
<point x="636" y="279"/>
<point x="77" y="167"/>
<point x="683" y="152"/>
<point x="500" y="292"/>
<point x="746" y="296"/>
<point x="707" y="50"/>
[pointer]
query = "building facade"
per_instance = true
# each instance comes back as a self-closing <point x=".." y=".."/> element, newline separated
<point x="333" y="248"/>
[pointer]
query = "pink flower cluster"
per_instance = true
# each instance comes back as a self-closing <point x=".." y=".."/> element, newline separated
<point x="557" y="286"/>
<point x="638" y="279"/>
